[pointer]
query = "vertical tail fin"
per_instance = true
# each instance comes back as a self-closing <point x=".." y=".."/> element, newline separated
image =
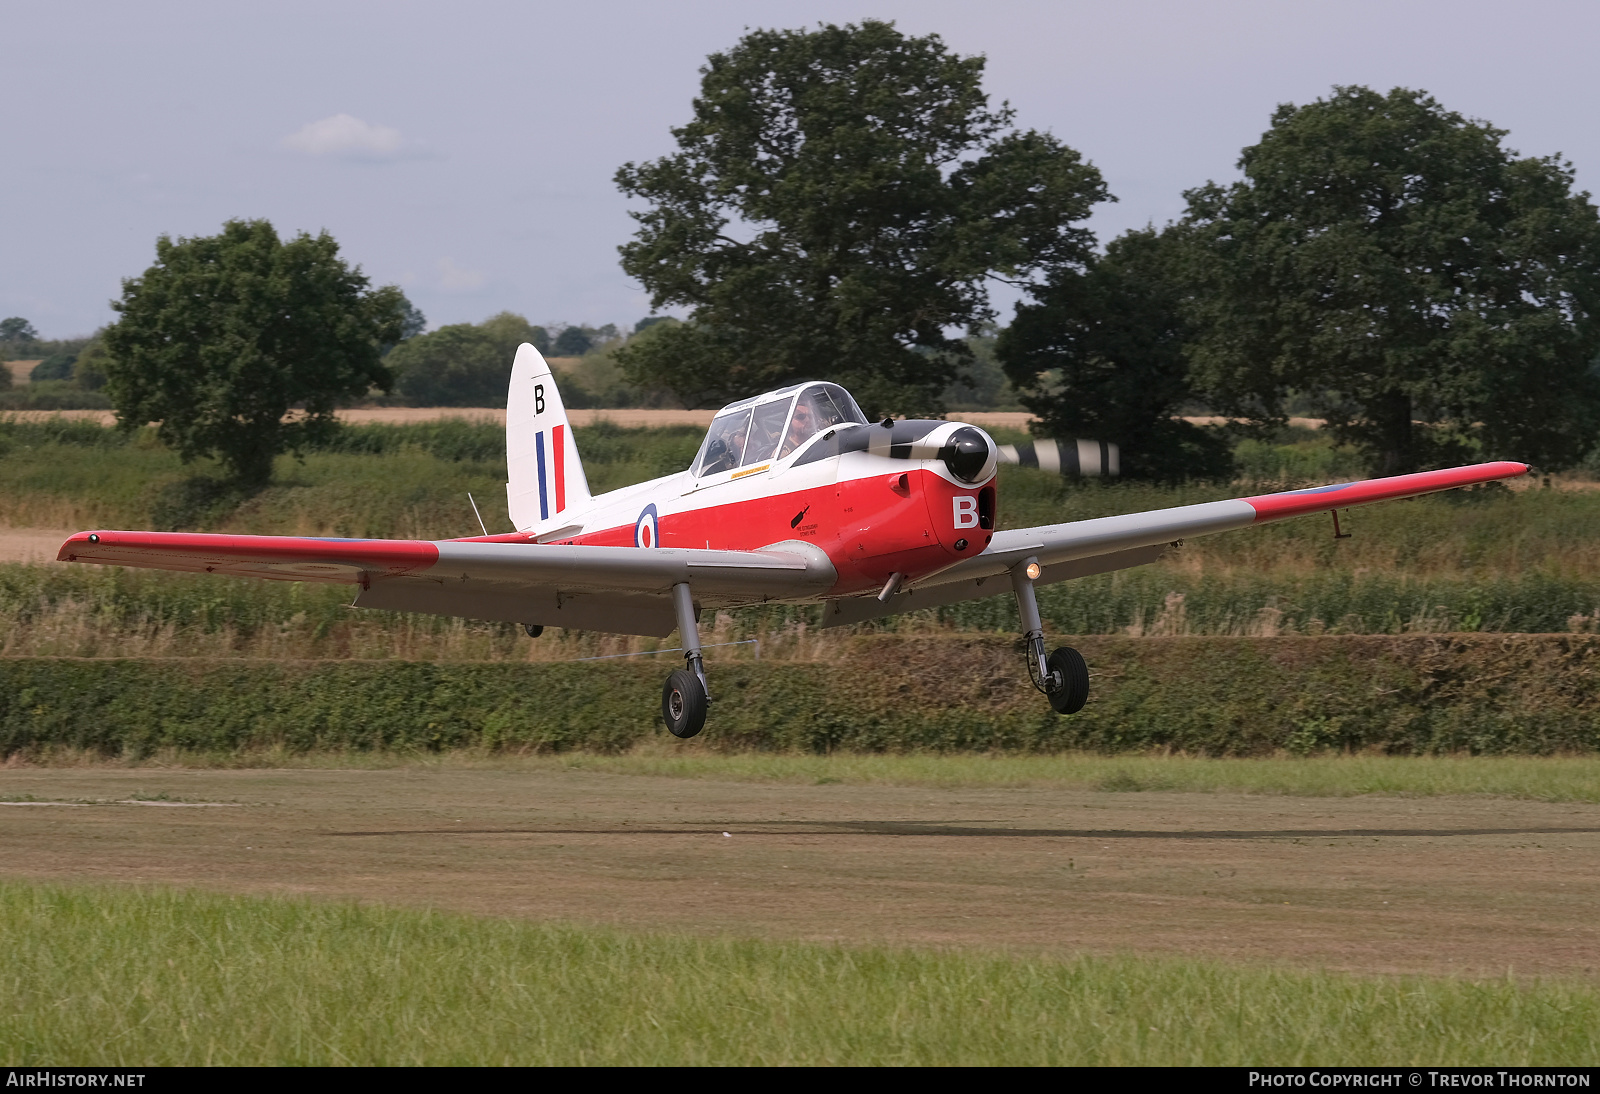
<point x="545" y="485"/>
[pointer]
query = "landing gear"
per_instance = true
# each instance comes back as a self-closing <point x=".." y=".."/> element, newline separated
<point x="685" y="697"/>
<point x="683" y="704"/>
<point x="533" y="630"/>
<point x="1068" y="666"/>
<point x="1063" y="677"/>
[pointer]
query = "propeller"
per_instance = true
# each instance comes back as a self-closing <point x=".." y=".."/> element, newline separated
<point x="1089" y="459"/>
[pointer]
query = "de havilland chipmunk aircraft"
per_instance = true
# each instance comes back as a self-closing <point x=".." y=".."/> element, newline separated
<point x="794" y="497"/>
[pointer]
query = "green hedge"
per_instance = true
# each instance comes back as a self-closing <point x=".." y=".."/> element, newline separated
<point x="1219" y="696"/>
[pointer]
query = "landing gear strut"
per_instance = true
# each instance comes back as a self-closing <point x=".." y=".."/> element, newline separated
<point x="1063" y="676"/>
<point x="685" y="697"/>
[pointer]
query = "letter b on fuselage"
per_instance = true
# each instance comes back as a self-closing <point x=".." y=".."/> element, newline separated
<point x="966" y="510"/>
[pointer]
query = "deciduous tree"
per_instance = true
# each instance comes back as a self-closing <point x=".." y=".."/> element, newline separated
<point x="456" y="365"/>
<point x="1098" y="353"/>
<point x="17" y="330"/>
<point x="225" y="334"/>
<point x="1435" y="293"/>
<point x="835" y="209"/>
<point x="463" y="364"/>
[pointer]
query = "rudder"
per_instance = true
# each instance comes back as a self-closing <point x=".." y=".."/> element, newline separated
<point x="545" y="483"/>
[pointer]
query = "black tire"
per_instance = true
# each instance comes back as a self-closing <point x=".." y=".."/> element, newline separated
<point x="534" y="630"/>
<point x="1074" y="690"/>
<point x="683" y="704"/>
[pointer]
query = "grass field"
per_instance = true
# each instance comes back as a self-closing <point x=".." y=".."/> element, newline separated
<point x="1484" y="560"/>
<point x="675" y="904"/>
<point x="411" y="480"/>
<point x="1530" y="778"/>
<point x="1534" y="778"/>
<point x="148" y="977"/>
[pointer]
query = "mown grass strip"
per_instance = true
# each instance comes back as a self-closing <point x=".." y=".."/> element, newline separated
<point x="1528" y="778"/>
<point x="149" y="977"/>
<point x="1553" y="779"/>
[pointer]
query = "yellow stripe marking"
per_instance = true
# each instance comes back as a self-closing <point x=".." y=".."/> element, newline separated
<point x="750" y="471"/>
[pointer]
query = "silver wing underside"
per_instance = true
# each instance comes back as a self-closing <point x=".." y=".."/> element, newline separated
<point x="619" y="590"/>
<point x="1064" y="551"/>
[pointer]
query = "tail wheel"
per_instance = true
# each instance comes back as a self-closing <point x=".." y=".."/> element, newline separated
<point x="1068" y="664"/>
<point x="683" y="704"/>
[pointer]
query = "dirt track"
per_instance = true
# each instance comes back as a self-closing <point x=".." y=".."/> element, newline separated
<point x="31" y="544"/>
<point x="1473" y="886"/>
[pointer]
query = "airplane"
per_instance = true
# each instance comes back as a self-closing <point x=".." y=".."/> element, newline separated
<point x="794" y="497"/>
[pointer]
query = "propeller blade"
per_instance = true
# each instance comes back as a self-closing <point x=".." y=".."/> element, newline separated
<point x="1089" y="459"/>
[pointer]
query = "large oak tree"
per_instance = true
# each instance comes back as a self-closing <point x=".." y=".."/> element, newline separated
<point x="1434" y="295"/>
<point x="225" y="334"/>
<point x="835" y="209"/>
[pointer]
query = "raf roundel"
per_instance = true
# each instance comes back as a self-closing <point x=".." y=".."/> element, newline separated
<point x="644" y="530"/>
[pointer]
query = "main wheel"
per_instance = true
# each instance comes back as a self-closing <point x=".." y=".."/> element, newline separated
<point x="683" y="704"/>
<point x="1074" y="690"/>
<point x="534" y="630"/>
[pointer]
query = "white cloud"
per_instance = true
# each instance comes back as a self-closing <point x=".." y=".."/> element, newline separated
<point x="345" y="137"/>
<point x="453" y="278"/>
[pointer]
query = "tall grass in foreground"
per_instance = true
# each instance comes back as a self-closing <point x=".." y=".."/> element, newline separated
<point x="94" y="611"/>
<point x="153" y="977"/>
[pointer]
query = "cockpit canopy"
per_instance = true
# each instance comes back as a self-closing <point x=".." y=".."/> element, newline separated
<point x="769" y="427"/>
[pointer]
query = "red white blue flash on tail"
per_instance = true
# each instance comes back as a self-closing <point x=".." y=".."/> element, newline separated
<point x="552" y="471"/>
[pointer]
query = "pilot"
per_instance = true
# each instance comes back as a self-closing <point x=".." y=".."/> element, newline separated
<point x="802" y="424"/>
<point x="723" y="453"/>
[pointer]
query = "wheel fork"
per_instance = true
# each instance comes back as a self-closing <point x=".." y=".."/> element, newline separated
<point x="1022" y="578"/>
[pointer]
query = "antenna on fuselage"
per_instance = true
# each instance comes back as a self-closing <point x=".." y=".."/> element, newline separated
<point x="476" y="513"/>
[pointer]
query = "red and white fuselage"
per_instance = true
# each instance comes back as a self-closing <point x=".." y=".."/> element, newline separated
<point x="798" y="465"/>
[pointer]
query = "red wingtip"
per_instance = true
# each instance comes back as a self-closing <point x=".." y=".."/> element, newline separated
<point x="73" y="544"/>
<point x="1345" y="494"/>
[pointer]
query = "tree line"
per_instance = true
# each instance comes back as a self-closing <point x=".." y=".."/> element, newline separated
<point x="842" y="201"/>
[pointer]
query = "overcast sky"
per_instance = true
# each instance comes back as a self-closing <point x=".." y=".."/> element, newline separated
<point x="465" y="150"/>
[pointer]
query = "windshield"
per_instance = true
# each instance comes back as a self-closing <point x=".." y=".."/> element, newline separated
<point x="756" y="431"/>
<point x="816" y="410"/>
<point x="725" y="443"/>
<point x="765" y="431"/>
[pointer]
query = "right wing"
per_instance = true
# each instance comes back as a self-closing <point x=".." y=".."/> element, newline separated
<point x="1103" y="544"/>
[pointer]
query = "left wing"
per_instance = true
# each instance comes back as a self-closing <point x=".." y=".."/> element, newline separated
<point x="1103" y="544"/>
<point x="623" y="590"/>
